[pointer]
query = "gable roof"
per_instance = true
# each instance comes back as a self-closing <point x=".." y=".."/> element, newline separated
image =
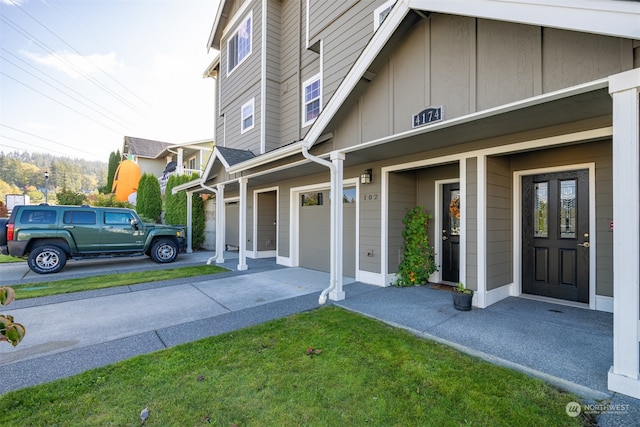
<point x="144" y="147"/>
<point x="232" y="156"/>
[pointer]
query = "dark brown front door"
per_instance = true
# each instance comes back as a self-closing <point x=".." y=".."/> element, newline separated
<point x="555" y="228"/>
<point x="450" y="233"/>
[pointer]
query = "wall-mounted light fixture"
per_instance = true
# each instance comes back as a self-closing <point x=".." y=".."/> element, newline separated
<point x="365" y="177"/>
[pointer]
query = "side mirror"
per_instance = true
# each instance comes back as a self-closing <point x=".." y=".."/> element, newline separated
<point x="134" y="223"/>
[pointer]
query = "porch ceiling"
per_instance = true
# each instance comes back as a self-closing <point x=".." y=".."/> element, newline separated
<point x="513" y="126"/>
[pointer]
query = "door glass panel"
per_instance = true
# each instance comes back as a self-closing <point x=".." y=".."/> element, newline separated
<point x="568" y="208"/>
<point x="540" y="209"/>
<point x="454" y="213"/>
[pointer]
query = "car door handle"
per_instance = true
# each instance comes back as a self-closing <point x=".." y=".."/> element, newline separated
<point x="68" y="226"/>
<point x="107" y="227"/>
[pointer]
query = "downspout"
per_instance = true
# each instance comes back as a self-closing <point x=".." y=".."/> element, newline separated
<point x="332" y="255"/>
<point x="212" y="259"/>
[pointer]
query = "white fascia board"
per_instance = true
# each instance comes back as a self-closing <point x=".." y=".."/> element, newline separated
<point x="191" y="185"/>
<point x="216" y="23"/>
<point x="266" y="158"/>
<point x="377" y="42"/>
<point x="210" y="71"/>
<point x="608" y="17"/>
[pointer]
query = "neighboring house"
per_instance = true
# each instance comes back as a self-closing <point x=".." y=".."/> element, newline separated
<point x="154" y="156"/>
<point x="514" y="123"/>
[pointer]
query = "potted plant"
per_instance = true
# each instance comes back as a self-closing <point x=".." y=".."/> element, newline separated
<point x="418" y="259"/>
<point x="462" y="297"/>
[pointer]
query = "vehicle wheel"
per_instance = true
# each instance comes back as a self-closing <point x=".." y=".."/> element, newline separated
<point x="3" y="231"/>
<point x="163" y="251"/>
<point x="47" y="259"/>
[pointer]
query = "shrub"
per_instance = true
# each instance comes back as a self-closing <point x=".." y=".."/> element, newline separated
<point x="176" y="208"/>
<point x="149" y="198"/>
<point x="418" y="259"/>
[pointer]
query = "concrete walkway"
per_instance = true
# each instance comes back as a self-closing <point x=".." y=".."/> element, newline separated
<point x="566" y="346"/>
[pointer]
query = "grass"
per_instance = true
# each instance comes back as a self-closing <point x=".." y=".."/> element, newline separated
<point x="361" y="372"/>
<point x="7" y="258"/>
<point x="40" y="289"/>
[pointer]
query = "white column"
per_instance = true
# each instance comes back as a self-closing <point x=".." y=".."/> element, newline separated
<point x="220" y="224"/>
<point x="337" y="241"/>
<point x="624" y="374"/>
<point x="179" y="167"/>
<point x="242" y="229"/>
<point x="189" y="222"/>
<point x="481" y="215"/>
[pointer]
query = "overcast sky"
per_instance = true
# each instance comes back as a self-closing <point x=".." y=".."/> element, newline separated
<point x="77" y="76"/>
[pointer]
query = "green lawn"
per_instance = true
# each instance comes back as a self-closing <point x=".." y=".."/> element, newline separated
<point x="7" y="258"/>
<point x="360" y="372"/>
<point x="39" y="289"/>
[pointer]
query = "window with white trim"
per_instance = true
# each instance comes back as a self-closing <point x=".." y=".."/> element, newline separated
<point x="381" y="13"/>
<point x="311" y="99"/>
<point x="239" y="44"/>
<point x="246" y="116"/>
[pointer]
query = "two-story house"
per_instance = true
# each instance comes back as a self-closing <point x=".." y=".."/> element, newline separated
<point x="514" y="123"/>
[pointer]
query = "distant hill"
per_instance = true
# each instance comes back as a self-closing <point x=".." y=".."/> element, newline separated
<point x="24" y="173"/>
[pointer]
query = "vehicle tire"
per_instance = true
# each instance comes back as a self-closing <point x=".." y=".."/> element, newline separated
<point x="47" y="259"/>
<point x="164" y="251"/>
<point x="3" y="231"/>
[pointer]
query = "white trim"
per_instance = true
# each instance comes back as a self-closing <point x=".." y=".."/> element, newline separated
<point x="283" y="260"/>
<point x="379" y="10"/>
<point x="438" y="224"/>
<point x="370" y="278"/>
<point x="611" y="18"/>
<point x="263" y="82"/>
<point x="517" y="223"/>
<point x="481" y="242"/>
<point x="307" y="25"/>
<point x="304" y="102"/>
<point x="498" y="294"/>
<point x="556" y="301"/>
<point x="604" y="303"/>
<point x="254" y="237"/>
<point x="249" y="103"/>
<point x="249" y="17"/>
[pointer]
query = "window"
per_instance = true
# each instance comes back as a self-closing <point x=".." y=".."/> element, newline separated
<point x="311" y="199"/>
<point x="239" y="45"/>
<point x="79" y="217"/>
<point x="311" y="101"/>
<point x="117" y="218"/>
<point x="246" y="118"/>
<point x="38" y="217"/>
<point x="192" y="163"/>
<point x="381" y="13"/>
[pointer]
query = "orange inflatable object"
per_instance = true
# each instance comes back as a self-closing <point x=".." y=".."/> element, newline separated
<point x="125" y="180"/>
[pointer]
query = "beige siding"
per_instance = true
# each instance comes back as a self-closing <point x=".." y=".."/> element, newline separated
<point x="402" y="197"/>
<point x="499" y="223"/>
<point x="471" y="203"/>
<point x="468" y="65"/>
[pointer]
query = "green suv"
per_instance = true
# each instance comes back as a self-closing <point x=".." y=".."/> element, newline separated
<point x="49" y="235"/>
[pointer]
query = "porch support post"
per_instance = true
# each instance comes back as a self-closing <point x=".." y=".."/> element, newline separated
<point x="242" y="229"/>
<point x="481" y="212"/>
<point x="220" y="224"/>
<point x="179" y="167"/>
<point x="337" y="294"/>
<point x="624" y="374"/>
<point x="189" y="222"/>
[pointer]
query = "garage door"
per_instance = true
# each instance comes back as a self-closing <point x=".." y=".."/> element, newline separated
<point x="315" y="226"/>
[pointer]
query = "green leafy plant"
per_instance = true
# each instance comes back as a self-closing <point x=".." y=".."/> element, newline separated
<point x="461" y="289"/>
<point x="149" y="199"/>
<point x="176" y="208"/>
<point x="10" y="331"/>
<point x="418" y="259"/>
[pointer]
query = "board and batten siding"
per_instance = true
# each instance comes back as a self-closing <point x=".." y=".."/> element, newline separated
<point x="402" y="197"/>
<point x="499" y="237"/>
<point x="467" y="65"/>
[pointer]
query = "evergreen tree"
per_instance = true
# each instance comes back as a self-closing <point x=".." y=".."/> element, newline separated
<point x="176" y="208"/>
<point x="68" y="197"/>
<point x="149" y="198"/>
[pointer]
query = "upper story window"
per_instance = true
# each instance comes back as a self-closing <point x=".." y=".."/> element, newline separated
<point x="311" y="100"/>
<point x="239" y="45"/>
<point x="381" y="13"/>
<point x="246" y="118"/>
